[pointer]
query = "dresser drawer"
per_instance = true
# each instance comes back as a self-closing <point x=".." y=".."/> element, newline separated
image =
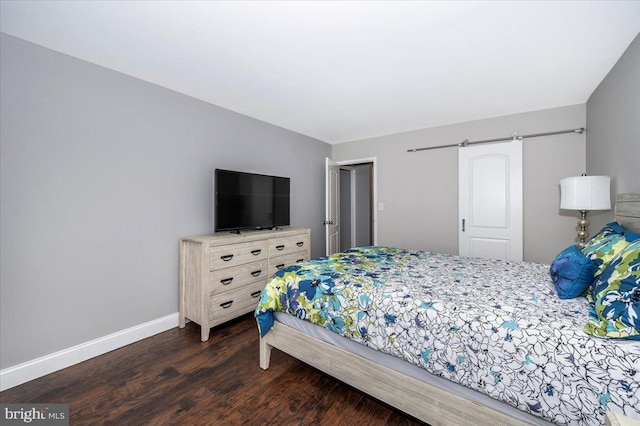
<point x="286" y="245"/>
<point x="237" y="254"/>
<point x="230" y="304"/>
<point x="280" y="262"/>
<point x="237" y="276"/>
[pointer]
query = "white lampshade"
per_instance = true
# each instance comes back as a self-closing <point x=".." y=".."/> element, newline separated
<point x="585" y="193"/>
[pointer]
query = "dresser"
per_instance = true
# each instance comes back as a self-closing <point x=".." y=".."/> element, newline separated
<point x="222" y="274"/>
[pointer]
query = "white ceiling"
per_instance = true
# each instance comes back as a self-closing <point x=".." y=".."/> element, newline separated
<point x="342" y="71"/>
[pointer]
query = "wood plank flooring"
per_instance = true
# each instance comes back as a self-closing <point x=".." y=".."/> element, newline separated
<point x="174" y="379"/>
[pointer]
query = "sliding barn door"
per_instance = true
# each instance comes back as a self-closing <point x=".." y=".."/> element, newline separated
<point x="490" y="201"/>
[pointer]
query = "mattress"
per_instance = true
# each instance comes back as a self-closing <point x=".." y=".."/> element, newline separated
<point x="494" y="327"/>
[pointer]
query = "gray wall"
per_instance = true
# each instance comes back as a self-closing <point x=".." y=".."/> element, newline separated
<point x="613" y="139"/>
<point x="101" y="173"/>
<point x="420" y="190"/>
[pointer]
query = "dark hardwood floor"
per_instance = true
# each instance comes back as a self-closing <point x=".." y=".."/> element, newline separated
<point x="174" y="379"/>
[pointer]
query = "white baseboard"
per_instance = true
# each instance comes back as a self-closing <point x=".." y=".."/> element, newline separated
<point x="22" y="373"/>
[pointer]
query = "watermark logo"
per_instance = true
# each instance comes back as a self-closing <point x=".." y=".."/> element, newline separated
<point x="34" y="414"/>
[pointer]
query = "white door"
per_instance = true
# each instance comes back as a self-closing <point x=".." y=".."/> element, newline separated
<point x="490" y="200"/>
<point x="332" y="207"/>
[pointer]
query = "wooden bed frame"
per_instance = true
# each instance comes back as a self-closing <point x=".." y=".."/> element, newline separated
<point x="418" y="399"/>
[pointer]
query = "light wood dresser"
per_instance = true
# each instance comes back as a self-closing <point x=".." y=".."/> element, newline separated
<point x="222" y="275"/>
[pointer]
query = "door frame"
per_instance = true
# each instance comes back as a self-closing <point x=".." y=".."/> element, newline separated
<point x="374" y="190"/>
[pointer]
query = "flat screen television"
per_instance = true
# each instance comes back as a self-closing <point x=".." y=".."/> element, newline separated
<point x="249" y="201"/>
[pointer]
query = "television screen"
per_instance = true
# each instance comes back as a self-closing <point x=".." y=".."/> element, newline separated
<point x="249" y="201"/>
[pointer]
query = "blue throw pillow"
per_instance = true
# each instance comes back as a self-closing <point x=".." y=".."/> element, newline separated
<point x="571" y="272"/>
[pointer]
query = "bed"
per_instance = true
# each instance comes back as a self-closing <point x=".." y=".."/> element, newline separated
<point x="452" y="340"/>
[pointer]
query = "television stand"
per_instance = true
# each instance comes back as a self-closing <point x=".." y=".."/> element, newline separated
<point x="222" y="275"/>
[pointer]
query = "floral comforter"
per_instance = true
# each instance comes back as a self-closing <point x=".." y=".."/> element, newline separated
<point x="494" y="326"/>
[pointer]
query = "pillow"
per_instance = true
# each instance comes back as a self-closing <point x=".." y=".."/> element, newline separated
<point x="606" y="244"/>
<point x="615" y="297"/>
<point x="571" y="272"/>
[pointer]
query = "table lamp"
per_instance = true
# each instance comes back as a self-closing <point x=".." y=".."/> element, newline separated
<point x="585" y="193"/>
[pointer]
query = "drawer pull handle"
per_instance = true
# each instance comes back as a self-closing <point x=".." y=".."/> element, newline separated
<point x="299" y="260"/>
<point x="225" y="305"/>
<point x="280" y="247"/>
<point x="300" y="243"/>
<point x="226" y="281"/>
<point x="280" y="266"/>
<point x="256" y="273"/>
<point x="256" y="252"/>
<point x="256" y="293"/>
<point x="227" y="257"/>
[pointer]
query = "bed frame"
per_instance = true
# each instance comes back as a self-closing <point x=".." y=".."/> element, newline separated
<point x="627" y="211"/>
<point x="418" y="399"/>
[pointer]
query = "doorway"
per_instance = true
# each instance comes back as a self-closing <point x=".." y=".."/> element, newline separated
<point x="356" y="208"/>
<point x="356" y="198"/>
